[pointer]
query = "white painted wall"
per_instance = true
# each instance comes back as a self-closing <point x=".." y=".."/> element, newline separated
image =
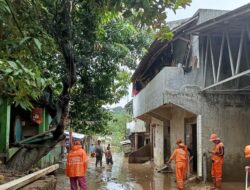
<point x="136" y="126"/>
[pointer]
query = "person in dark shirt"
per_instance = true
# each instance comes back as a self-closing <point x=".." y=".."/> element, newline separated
<point x="98" y="153"/>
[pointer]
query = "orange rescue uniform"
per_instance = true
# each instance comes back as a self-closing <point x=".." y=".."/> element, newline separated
<point x="180" y="157"/>
<point x="187" y="163"/>
<point x="217" y="163"/>
<point x="76" y="165"/>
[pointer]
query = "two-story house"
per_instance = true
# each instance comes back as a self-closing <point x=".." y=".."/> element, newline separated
<point x="197" y="84"/>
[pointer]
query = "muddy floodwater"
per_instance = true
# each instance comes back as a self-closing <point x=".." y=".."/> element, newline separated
<point x="124" y="176"/>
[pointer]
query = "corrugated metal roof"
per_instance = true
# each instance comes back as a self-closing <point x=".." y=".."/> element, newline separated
<point x="202" y="15"/>
<point x="75" y="135"/>
<point x="225" y="21"/>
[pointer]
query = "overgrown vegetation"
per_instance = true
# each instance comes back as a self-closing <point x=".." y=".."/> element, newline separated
<point x="81" y="49"/>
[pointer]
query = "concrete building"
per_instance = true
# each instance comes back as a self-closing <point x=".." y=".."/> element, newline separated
<point x="197" y="84"/>
<point x="138" y="135"/>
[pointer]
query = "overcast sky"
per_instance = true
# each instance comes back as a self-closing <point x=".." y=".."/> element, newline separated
<point x="189" y="12"/>
<point x="206" y="4"/>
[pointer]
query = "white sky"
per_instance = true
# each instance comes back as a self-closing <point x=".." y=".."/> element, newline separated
<point x="189" y="12"/>
<point x="206" y="4"/>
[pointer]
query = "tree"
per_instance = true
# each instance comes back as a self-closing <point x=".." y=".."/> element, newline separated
<point x="117" y="126"/>
<point x="81" y="43"/>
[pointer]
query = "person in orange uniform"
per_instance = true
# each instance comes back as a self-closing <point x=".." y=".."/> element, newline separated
<point x="247" y="168"/>
<point x="217" y="157"/>
<point x="180" y="157"/>
<point x="76" y="166"/>
<point x="179" y="141"/>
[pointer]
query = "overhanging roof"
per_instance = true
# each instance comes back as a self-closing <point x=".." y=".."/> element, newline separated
<point x="233" y="20"/>
<point x="157" y="47"/>
<point x="149" y="58"/>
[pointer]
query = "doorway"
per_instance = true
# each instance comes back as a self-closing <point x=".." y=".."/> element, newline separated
<point x="191" y="142"/>
<point x="167" y="150"/>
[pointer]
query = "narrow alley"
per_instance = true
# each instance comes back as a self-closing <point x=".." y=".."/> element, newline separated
<point x="124" y="176"/>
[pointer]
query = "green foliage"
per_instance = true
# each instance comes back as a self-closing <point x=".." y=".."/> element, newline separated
<point x="24" y="47"/>
<point x="104" y="40"/>
<point x="117" y="126"/>
<point x="20" y="84"/>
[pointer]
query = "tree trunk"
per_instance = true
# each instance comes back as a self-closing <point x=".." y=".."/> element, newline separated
<point x="27" y="156"/>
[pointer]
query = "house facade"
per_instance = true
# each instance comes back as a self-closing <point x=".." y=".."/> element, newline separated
<point x="19" y="126"/>
<point x="138" y="134"/>
<point x="197" y="84"/>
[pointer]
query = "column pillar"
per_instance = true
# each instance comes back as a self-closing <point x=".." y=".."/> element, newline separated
<point x="199" y="145"/>
<point x="159" y="142"/>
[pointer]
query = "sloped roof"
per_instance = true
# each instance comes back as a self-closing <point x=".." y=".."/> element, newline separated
<point x="233" y="20"/>
<point x="75" y="135"/>
<point x="158" y="46"/>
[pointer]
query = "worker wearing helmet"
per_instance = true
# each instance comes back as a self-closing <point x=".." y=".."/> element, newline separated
<point x="76" y="166"/>
<point x="180" y="157"/>
<point x="217" y="157"/>
<point x="189" y="157"/>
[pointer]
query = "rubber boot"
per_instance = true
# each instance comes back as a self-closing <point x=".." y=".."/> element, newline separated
<point x="218" y="183"/>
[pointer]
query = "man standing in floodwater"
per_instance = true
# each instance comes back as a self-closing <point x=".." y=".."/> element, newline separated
<point x="98" y="153"/>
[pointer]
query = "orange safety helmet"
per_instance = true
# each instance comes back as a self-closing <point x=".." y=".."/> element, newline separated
<point x="178" y="141"/>
<point x="214" y="137"/>
<point x="247" y="151"/>
<point x="77" y="143"/>
<point x="181" y="145"/>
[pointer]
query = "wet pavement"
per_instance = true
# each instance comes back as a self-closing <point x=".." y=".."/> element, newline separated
<point x="124" y="176"/>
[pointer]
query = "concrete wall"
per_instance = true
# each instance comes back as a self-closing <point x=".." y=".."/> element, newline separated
<point x="228" y="116"/>
<point x="176" y="127"/>
<point x="168" y="79"/>
<point x="136" y="126"/>
<point x="232" y="124"/>
<point x="158" y="146"/>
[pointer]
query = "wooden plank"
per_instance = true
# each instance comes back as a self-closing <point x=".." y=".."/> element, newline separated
<point x="20" y="182"/>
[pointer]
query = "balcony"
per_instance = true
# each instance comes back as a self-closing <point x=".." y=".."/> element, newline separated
<point x="168" y="79"/>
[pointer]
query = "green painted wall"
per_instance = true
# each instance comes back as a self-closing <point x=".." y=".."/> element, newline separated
<point x="47" y="120"/>
<point x="42" y="126"/>
<point x="55" y="154"/>
<point x="4" y="125"/>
